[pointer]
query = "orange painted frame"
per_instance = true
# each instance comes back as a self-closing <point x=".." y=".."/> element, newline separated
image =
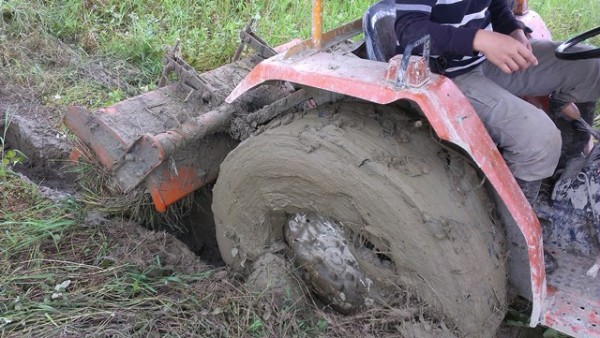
<point x="447" y="110"/>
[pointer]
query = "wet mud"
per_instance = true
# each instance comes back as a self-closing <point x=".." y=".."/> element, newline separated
<point x="380" y="174"/>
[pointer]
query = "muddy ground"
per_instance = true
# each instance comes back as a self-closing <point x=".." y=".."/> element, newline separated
<point x="218" y="303"/>
<point x="191" y="250"/>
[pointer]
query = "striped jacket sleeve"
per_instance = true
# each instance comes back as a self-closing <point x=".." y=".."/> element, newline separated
<point x="503" y="19"/>
<point x="413" y="22"/>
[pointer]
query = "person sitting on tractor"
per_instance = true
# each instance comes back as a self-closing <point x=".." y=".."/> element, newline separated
<point x="484" y="49"/>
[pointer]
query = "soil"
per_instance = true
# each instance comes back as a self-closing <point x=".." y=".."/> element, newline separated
<point x="32" y="132"/>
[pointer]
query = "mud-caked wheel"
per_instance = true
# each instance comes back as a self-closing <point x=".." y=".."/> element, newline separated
<point x="367" y="201"/>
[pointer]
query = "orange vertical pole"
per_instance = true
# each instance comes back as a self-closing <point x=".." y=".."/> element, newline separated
<point x="317" y="24"/>
<point x="521" y="7"/>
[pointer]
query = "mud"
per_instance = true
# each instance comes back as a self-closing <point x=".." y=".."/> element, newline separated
<point x="30" y="131"/>
<point x="35" y="131"/>
<point x="385" y="179"/>
<point x="142" y="247"/>
<point x="272" y="277"/>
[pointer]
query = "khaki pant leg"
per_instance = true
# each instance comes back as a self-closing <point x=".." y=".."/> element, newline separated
<point x="526" y="136"/>
<point x="570" y="81"/>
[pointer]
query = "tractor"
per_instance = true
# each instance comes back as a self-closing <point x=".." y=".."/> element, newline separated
<point x="364" y="168"/>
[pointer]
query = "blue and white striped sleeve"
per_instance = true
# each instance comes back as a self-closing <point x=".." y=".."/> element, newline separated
<point x="503" y="19"/>
<point x="413" y="21"/>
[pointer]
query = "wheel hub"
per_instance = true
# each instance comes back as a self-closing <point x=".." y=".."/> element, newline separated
<point x="322" y="250"/>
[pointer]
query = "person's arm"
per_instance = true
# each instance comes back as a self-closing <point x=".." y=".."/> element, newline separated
<point x="498" y="48"/>
<point x="503" y="19"/>
<point x="413" y="21"/>
<point x="507" y="52"/>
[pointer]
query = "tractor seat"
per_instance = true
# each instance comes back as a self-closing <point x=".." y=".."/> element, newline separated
<point x="378" y="27"/>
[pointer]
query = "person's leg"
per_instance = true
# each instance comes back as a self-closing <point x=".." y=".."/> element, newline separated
<point x="528" y="139"/>
<point x="568" y="81"/>
<point x="574" y="139"/>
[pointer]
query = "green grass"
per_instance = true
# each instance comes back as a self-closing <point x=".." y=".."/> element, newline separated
<point x="8" y="157"/>
<point x="568" y="18"/>
<point x="137" y="32"/>
<point x="27" y="219"/>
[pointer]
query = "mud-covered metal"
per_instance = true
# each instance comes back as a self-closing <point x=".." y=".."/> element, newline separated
<point x="168" y="175"/>
<point x="147" y="152"/>
<point x="449" y="113"/>
<point x="328" y="39"/>
<point x="573" y="211"/>
<point x="248" y="37"/>
<point x="163" y="138"/>
<point x="323" y="251"/>
<point x="171" y="139"/>
<point x="572" y="305"/>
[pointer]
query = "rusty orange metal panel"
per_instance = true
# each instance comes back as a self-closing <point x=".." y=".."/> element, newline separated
<point x="104" y="141"/>
<point x="573" y="302"/>
<point x="167" y="188"/>
<point x="447" y="110"/>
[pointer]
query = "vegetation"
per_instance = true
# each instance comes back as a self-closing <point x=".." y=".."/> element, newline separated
<point x="61" y="273"/>
<point x="8" y="157"/>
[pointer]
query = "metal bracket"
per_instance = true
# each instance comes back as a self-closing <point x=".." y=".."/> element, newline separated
<point x="249" y="38"/>
<point x="415" y="74"/>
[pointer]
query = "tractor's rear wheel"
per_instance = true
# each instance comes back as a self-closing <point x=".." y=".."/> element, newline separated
<point x="373" y="181"/>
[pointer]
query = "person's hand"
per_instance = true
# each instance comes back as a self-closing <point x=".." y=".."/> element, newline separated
<point x="519" y="35"/>
<point x="508" y="53"/>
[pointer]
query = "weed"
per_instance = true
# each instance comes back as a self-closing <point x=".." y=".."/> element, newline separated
<point x="8" y="157"/>
<point x="568" y="18"/>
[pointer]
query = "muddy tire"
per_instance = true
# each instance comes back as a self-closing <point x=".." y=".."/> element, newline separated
<point x="380" y="174"/>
